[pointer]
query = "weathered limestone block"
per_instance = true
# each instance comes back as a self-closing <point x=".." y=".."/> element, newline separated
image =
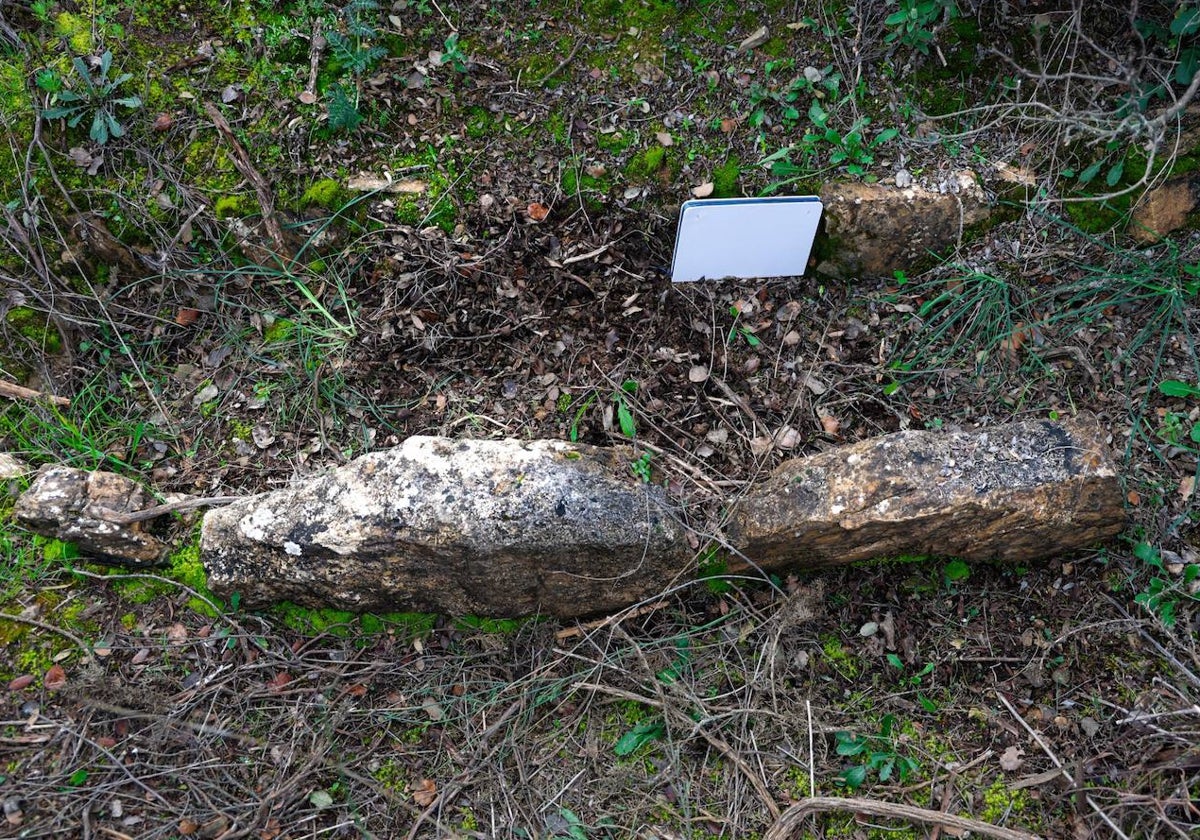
<point x="1016" y="492"/>
<point x="1165" y="209"/>
<point x="876" y="229"/>
<point x="71" y="505"/>
<point x="487" y="527"/>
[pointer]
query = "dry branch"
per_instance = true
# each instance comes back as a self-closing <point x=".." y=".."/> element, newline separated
<point x="19" y="392"/>
<point x="788" y="824"/>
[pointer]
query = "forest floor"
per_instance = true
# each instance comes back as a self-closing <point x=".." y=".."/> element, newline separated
<point x="457" y="218"/>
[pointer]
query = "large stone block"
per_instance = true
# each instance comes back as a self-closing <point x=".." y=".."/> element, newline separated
<point x="875" y="229"/>
<point x="78" y="506"/>
<point x="488" y="527"/>
<point x="1016" y="492"/>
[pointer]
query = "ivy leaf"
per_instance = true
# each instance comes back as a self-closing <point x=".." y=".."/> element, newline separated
<point x="853" y="777"/>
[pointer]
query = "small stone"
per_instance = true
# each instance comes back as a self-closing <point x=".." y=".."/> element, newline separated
<point x="755" y="39"/>
<point x="698" y="374"/>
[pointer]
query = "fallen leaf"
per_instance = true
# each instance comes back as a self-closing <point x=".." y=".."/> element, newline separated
<point x="187" y="827"/>
<point x="320" y="799"/>
<point x="1187" y="486"/>
<point x="1011" y="759"/>
<point x="698" y="374"/>
<point x="18" y="683"/>
<point x="434" y="710"/>
<point x="425" y="792"/>
<point x="230" y="94"/>
<point x="728" y="125"/>
<point x="162" y="122"/>
<point x="703" y="190"/>
<point x="830" y="424"/>
<point x="787" y="438"/>
<point x="1134" y="498"/>
<point x="186" y="316"/>
<point x="307" y="97"/>
<point x="177" y="634"/>
<point x="537" y="212"/>
<point x="277" y="682"/>
<point x="664" y="138"/>
<point x="55" y="678"/>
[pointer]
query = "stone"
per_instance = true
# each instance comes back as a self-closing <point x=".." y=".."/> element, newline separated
<point x="1164" y="209"/>
<point x="12" y="467"/>
<point x="873" y="230"/>
<point x="1014" y="493"/>
<point x="484" y="527"/>
<point x="71" y="505"/>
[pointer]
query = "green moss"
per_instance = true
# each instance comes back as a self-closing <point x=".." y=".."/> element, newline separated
<point x="556" y="127"/>
<point x="312" y="621"/>
<point x="235" y="207"/>
<point x="1001" y="803"/>
<point x="326" y="193"/>
<point x="280" y="330"/>
<point x="35" y="327"/>
<point x="184" y="565"/>
<point x="76" y="30"/>
<point x="614" y="141"/>
<point x="654" y="162"/>
<point x="392" y="775"/>
<point x="842" y="661"/>
<point x="480" y="123"/>
<point x="725" y="178"/>
<point x="129" y="620"/>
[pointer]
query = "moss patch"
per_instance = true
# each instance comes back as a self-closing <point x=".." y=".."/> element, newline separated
<point x="36" y="327"/>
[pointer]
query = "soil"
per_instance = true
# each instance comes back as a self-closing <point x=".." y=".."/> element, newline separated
<point x="226" y="314"/>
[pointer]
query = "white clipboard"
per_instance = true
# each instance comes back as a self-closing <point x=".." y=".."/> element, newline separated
<point x="745" y="237"/>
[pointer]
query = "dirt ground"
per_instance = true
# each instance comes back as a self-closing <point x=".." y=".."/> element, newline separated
<point x="458" y="218"/>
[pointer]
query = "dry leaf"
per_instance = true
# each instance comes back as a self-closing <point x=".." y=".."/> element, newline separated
<point x="1133" y="497"/>
<point x="307" y="97"/>
<point x="830" y="424"/>
<point x="277" y="682"/>
<point x="1187" y="486"/>
<point x="698" y="374"/>
<point x="18" y="683"/>
<point x="1011" y="759"/>
<point x="703" y="190"/>
<point x="187" y="827"/>
<point x="537" y="212"/>
<point x="728" y="125"/>
<point x="756" y="38"/>
<point x="162" y="122"/>
<point x="425" y="792"/>
<point x="55" y="679"/>
<point x="664" y="138"/>
<point x="186" y="316"/>
<point x="787" y="438"/>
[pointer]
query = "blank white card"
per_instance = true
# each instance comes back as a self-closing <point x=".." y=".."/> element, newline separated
<point x="745" y="237"/>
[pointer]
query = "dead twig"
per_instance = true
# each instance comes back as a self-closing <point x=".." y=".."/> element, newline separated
<point x="19" y="392"/>
<point x="119" y="518"/>
<point x="788" y="824"/>
<point x="262" y="190"/>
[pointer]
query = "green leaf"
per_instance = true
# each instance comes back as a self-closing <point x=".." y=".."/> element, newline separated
<point x="848" y="744"/>
<point x="895" y="18"/>
<point x="1114" y="174"/>
<point x="625" y="419"/>
<point x="1175" y="388"/>
<point x="817" y="114"/>
<point x="1091" y="172"/>
<point x="891" y="388"/>
<point x="926" y="704"/>
<point x="99" y="130"/>
<point x="642" y="734"/>
<point x="853" y="777"/>
<point x="895" y="661"/>
<point x="320" y="799"/>
<point x="1148" y="554"/>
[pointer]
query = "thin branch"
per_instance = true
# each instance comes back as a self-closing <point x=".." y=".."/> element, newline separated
<point x="788" y="824"/>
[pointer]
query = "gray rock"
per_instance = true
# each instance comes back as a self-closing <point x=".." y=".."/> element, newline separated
<point x="1016" y="492"/>
<point x="12" y="467"/>
<point x="72" y="505"/>
<point x="487" y="527"/>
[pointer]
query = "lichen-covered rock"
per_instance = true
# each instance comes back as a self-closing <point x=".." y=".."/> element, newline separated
<point x="489" y="527"/>
<point x="1016" y="492"/>
<point x="71" y="505"/>
<point x="874" y="230"/>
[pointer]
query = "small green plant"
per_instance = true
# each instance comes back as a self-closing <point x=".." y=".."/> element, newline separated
<point x="641" y="467"/>
<point x="453" y="54"/>
<point x="914" y="24"/>
<point x="914" y="680"/>
<point x="96" y="98"/>
<point x="624" y="414"/>
<point x="573" y="429"/>
<point x="1163" y="596"/>
<point x="354" y="54"/>
<point x="876" y="754"/>
<point x="738" y="330"/>
<point x="955" y="571"/>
